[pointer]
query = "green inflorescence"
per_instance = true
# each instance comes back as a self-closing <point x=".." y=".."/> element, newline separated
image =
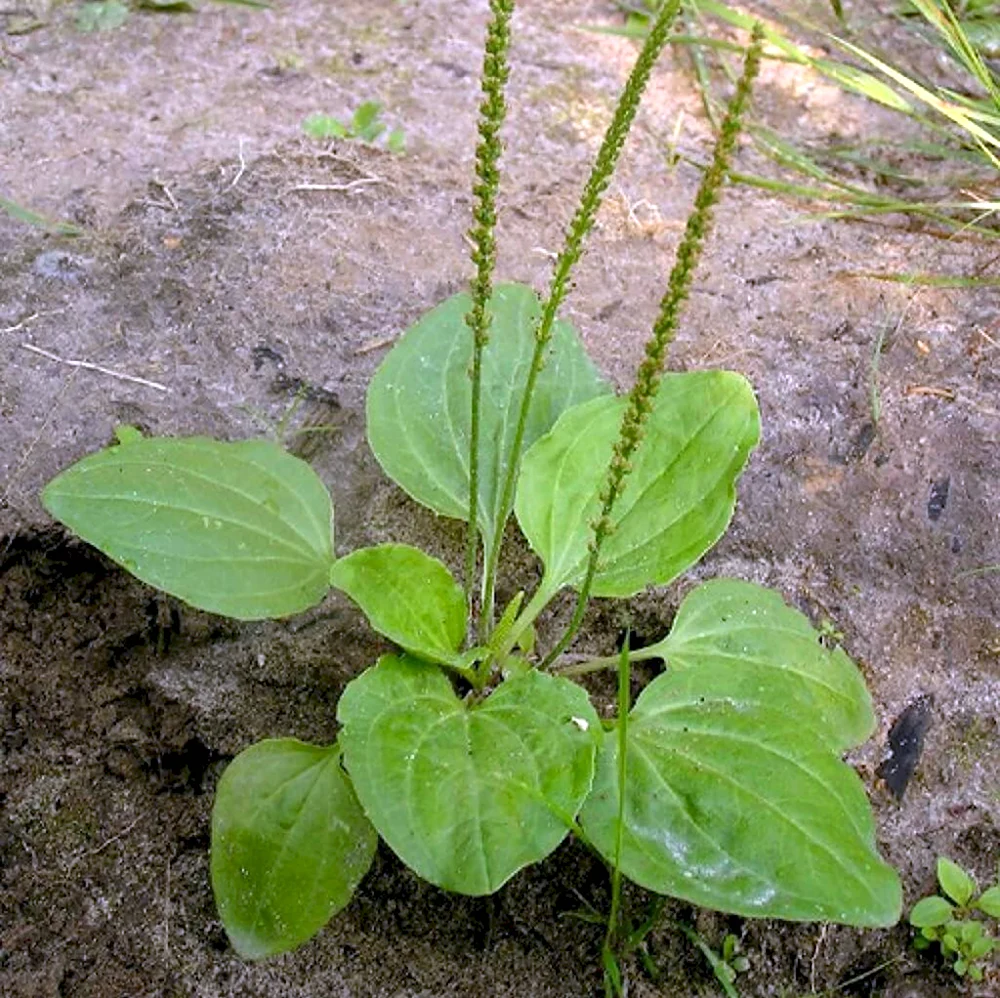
<point x="492" y="112"/>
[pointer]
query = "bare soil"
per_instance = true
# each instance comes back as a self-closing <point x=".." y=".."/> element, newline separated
<point x="207" y="271"/>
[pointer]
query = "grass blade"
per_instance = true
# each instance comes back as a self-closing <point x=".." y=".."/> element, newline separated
<point x="21" y="214"/>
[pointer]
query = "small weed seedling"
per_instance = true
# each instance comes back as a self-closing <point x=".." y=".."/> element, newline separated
<point x="951" y="921"/>
<point x="106" y="15"/>
<point x="471" y="750"/>
<point x="726" y="964"/>
<point x="366" y="125"/>
<point x="101" y="15"/>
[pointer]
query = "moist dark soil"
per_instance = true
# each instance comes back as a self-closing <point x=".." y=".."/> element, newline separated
<point x="209" y="268"/>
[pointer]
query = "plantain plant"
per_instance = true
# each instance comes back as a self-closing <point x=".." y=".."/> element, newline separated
<point x="471" y="752"/>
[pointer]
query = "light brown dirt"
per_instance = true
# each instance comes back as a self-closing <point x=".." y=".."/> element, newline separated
<point x="175" y="141"/>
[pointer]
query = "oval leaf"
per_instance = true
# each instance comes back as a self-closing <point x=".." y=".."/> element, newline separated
<point x="290" y="844"/>
<point x="989" y="902"/>
<point x="930" y="912"/>
<point x="738" y="806"/>
<point x="954" y="881"/>
<point x="467" y="796"/>
<point x="241" y="529"/>
<point x="742" y="640"/>
<point x="408" y="596"/>
<point x="677" y="501"/>
<point x="419" y="401"/>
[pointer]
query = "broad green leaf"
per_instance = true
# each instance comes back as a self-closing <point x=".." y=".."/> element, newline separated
<point x="677" y="502"/>
<point x="242" y="529"/>
<point x="419" y="400"/>
<point x="408" y="596"/>
<point x="954" y="881"/>
<point x="738" y="805"/>
<point x="290" y="844"/>
<point x="989" y="902"/>
<point x="930" y="913"/>
<point x="739" y="639"/>
<point x="467" y="795"/>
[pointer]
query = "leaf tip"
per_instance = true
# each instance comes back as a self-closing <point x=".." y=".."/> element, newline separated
<point x="126" y="434"/>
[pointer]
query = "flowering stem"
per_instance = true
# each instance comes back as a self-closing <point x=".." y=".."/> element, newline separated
<point x="580" y="226"/>
<point x="492" y="112"/>
<point x="650" y="372"/>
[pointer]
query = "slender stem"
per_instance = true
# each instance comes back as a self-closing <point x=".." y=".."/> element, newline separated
<point x="472" y="526"/>
<point x="607" y="662"/>
<point x="581" y="605"/>
<point x="650" y="372"/>
<point x="492" y="112"/>
<point x="624" y="698"/>
<point x="582" y="223"/>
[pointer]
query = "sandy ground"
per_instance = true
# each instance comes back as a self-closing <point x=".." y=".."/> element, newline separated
<point x="207" y="271"/>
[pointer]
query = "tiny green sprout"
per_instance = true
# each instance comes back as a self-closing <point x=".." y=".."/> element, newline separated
<point x="953" y="923"/>
<point x="829" y="633"/>
<point x="726" y="964"/>
<point x="366" y="126"/>
<point x="733" y="956"/>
